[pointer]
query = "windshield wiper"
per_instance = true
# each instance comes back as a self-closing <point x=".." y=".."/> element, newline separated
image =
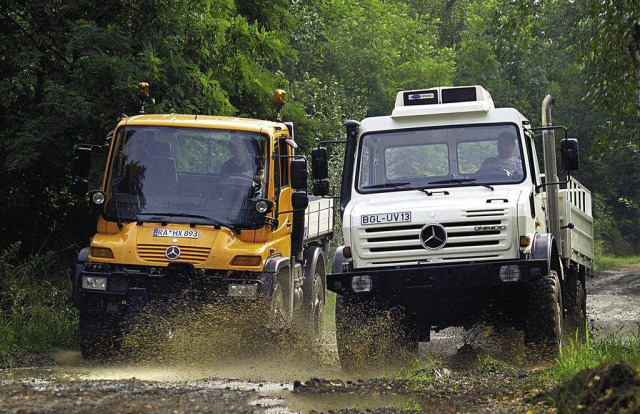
<point x="396" y="185"/>
<point x="215" y="222"/>
<point x="460" y="181"/>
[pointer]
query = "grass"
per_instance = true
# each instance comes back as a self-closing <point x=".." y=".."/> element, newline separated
<point x="420" y="372"/>
<point x="576" y="357"/>
<point x="35" y="310"/>
<point x="604" y="262"/>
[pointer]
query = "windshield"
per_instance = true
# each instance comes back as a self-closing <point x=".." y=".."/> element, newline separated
<point x="440" y="157"/>
<point x="160" y="172"/>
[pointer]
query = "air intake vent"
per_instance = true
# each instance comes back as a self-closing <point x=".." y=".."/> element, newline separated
<point x="453" y="95"/>
<point x="427" y="97"/>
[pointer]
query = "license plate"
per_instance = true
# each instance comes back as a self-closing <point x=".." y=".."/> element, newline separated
<point x="189" y="234"/>
<point x="385" y="218"/>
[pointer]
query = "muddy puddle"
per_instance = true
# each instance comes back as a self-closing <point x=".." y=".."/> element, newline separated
<point x="196" y="368"/>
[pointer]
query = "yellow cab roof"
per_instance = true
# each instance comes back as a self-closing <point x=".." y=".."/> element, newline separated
<point x="203" y="121"/>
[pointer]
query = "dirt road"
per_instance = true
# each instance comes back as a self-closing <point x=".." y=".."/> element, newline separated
<point x="460" y="372"/>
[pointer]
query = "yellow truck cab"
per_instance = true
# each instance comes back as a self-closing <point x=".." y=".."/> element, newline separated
<point x="215" y="206"/>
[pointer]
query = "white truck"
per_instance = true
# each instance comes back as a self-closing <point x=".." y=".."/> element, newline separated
<point x="447" y="215"/>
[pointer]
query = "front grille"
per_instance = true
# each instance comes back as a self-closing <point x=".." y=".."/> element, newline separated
<point x="400" y="244"/>
<point x="156" y="254"/>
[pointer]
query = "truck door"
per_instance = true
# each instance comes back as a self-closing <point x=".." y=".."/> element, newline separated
<point x="534" y="166"/>
<point x="282" y="192"/>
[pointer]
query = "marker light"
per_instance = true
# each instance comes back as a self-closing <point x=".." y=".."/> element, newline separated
<point x="346" y="252"/>
<point x="98" y="198"/>
<point x="262" y="206"/>
<point x="103" y="252"/>
<point x="525" y="241"/>
<point x="247" y="261"/>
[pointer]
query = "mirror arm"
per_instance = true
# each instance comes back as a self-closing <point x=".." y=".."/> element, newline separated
<point x="290" y="211"/>
<point x="336" y="141"/>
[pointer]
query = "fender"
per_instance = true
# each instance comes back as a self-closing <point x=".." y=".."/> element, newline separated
<point x="338" y="260"/>
<point x="83" y="257"/>
<point x="271" y="268"/>
<point x="544" y="247"/>
<point x="313" y="257"/>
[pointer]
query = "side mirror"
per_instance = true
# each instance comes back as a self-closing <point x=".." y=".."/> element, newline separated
<point x="299" y="200"/>
<point x="81" y="164"/>
<point x="80" y="170"/>
<point x="320" y="188"/>
<point x="319" y="163"/>
<point x="299" y="174"/>
<point x="570" y="154"/>
<point x="79" y="186"/>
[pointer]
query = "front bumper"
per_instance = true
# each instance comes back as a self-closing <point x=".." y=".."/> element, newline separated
<point x="130" y="288"/>
<point x="436" y="278"/>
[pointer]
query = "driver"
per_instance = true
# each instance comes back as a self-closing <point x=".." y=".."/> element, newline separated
<point x="240" y="162"/>
<point x="505" y="159"/>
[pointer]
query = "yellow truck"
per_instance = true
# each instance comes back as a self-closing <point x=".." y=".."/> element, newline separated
<point x="213" y="206"/>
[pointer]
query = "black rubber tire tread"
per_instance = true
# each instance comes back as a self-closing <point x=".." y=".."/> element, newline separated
<point x="346" y="315"/>
<point x="576" y="318"/>
<point x="543" y="330"/>
<point x="316" y="315"/>
<point x="368" y="332"/>
<point x="99" y="336"/>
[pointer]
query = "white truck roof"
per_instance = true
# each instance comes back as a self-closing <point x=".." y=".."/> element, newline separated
<point x="442" y="106"/>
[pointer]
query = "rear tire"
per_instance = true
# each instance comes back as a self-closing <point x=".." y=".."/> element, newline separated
<point x="576" y="321"/>
<point x="544" y="319"/>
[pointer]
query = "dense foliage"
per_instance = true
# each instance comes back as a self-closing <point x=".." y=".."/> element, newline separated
<point x="68" y="68"/>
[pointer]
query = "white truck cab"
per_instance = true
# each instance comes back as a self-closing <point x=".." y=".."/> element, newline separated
<point x="447" y="214"/>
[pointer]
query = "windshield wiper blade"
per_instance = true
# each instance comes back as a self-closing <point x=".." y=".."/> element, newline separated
<point x="215" y="222"/>
<point x="387" y="185"/>
<point x="460" y="181"/>
<point x="396" y="185"/>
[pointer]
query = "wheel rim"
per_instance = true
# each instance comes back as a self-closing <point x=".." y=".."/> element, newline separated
<point x="317" y="309"/>
<point x="559" y="317"/>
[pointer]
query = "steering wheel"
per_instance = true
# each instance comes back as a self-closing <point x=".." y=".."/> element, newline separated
<point x="493" y="172"/>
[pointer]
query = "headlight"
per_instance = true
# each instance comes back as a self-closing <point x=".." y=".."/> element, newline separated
<point x="361" y="284"/>
<point x="94" y="283"/>
<point x="243" y="290"/>
<point x="510" y="273"/>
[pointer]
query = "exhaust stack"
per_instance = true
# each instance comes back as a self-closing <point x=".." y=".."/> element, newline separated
<point x="550" y="169"/>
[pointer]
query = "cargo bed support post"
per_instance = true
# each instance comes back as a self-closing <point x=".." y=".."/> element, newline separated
<point x="550" y="169"/>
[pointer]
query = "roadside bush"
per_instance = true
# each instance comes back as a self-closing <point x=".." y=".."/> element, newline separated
<point x="577" y="357"/>
<point x="35" y="303"/>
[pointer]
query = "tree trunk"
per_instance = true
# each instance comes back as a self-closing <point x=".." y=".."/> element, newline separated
<point x="634" y="49"/>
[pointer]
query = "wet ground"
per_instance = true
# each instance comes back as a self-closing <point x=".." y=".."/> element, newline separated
<point x="458" y="371"/>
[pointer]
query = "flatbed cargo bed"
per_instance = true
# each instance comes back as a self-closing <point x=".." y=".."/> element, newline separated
<point x="318" y="221"/>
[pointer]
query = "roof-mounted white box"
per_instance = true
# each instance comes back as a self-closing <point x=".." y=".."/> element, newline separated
<point x="442" y="100"/>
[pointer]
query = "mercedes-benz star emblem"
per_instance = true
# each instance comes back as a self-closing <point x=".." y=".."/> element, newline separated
<point x="173" y="252"/>
<point x="433" y="236"/>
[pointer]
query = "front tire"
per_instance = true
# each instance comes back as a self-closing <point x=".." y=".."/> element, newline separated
<point x="544" y="320"/>
<point x="369" y="333"/>
<point x="316" y="309"/>
<point x="100" y="337"/>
